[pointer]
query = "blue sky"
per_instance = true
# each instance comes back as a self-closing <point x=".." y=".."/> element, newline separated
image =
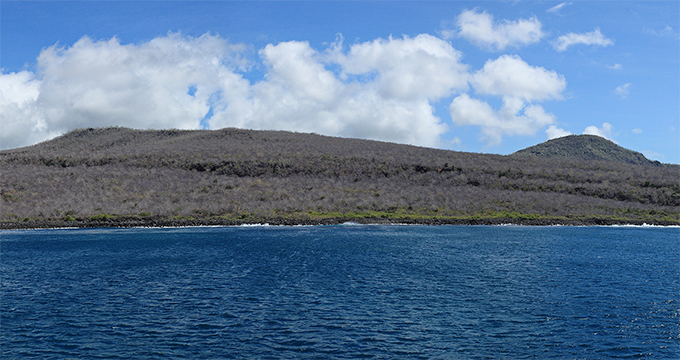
<point x="491" y="77"/>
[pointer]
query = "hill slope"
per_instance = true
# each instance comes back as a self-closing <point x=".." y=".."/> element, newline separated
<point x="585" y="147"/>
<point x="228" y="176"/>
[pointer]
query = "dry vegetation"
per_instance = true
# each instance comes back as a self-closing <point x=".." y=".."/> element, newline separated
<point x="242" y="175"/>
<point x="585" y="147"/>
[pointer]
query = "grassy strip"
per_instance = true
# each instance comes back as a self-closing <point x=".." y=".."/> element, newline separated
<point x="396" y="214"/>
<point x="431" y="217"/>
<point x="494" y="215"/>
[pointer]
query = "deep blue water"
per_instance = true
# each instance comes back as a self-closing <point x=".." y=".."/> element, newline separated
<point x="341" y="292"/>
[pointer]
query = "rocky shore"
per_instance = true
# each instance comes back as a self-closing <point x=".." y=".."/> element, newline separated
<point x="161" y="222"/>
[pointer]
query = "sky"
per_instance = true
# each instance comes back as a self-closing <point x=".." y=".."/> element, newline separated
<point x="487" y="77"/>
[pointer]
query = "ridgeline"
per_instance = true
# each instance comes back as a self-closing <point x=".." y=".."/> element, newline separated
<point x="124" y="177"/>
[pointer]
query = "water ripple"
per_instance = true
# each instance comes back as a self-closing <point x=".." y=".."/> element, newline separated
<point x="376" y="292"/>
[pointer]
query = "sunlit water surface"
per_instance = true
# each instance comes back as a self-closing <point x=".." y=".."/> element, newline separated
<point x="334" y="292"/>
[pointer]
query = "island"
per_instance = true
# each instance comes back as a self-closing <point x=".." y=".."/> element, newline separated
<point x="121" y="177"/>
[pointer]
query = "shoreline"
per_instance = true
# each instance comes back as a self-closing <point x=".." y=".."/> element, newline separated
<point x="177" y="223"/>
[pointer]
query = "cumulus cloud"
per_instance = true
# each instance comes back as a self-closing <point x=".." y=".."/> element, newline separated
<point x="510" y="76"/>
<point x="382" y="89"/>
<point x="512" y="119"/>
<point x="519" y="85"/>
<point x="554" y="132"/>
<point x="623" y="90"/>
<point x="299" y="93"/>
<point x="594" y="37"/>
<point x="105" y="83"/>
<point x="21" y="120"/>
<point x="479" y="28"/>
<point x="409" y="67"/>
<point x="605" y="131"/>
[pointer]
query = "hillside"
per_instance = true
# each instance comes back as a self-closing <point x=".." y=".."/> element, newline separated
<point x="585" y="147"/>
<point x="120" y="177"/>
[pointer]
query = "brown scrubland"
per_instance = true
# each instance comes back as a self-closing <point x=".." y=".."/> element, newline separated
<point x="122" y="177"/>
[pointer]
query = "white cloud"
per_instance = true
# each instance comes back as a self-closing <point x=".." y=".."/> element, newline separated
<point x="384" y="89"/>
<point x="594" y="37"/>
<point x="637" y="131"/>
<point x="510" y="120"/>
<point x="556" y="9"/>
<point x="145" y="86"/>
<point x="554" y="132"/>
<point x="456" y="141"/>
<point x="300" y="94"/>
<point x="605" y="131"/>
<point x="653" y="155"/>
<point x="510" y="76"/>
<point x="21" y="121"/>
<point x="666" y="31"/>
<point x="615" y="67"/>
<point x="623" y="90"/>
<point x="519" y="85"/>
<point x="410" y="67"/>
<point x="381" y="89"/>
<point x="480" y="29"/>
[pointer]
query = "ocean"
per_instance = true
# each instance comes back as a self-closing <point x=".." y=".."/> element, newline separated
<point x="341" y="292"/>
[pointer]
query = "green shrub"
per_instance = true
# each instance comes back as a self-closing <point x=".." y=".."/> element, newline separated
<point x="100" y="217"/>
